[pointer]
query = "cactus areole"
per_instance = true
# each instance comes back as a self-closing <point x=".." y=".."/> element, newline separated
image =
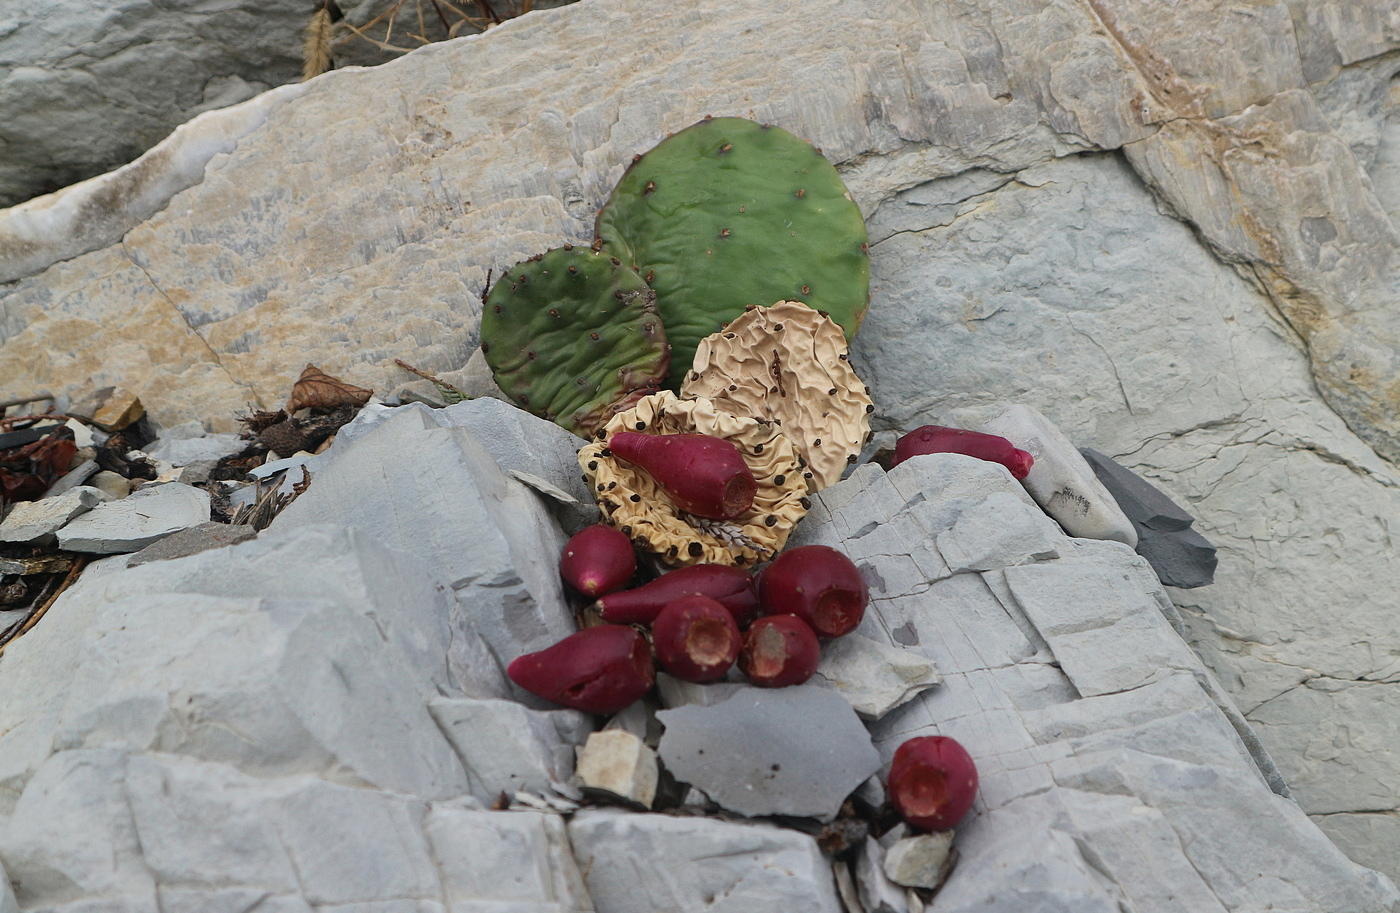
<point x="729" y="212"/>
<point x="704" y="475"/>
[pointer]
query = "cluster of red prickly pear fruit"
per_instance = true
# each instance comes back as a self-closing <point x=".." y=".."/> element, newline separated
<point x="703" y="619"/>
<point x="941" y="439"/>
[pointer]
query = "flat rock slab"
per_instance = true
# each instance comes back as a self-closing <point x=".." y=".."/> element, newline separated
<point x="1061" y="481"/>
<point x="782" y="751"/>
<point x="636" y="863"/>
<point x="874" y="677"/>
<point x="137" y="520"/>
<point x="37" y="521"/>
<point x="192" y="541"/>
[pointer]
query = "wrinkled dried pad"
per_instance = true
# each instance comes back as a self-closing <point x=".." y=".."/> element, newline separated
<point x="788" y="363"/>
<point x="654" y="522"/>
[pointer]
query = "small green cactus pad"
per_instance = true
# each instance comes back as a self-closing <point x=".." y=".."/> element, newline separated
<point x="728" y="213"/>
<point x="573" y="336"/>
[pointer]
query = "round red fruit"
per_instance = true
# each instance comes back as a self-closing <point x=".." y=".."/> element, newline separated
<point x="598" y="559"/>
<point x="779" y="650"/>
<point x="819" y="585"/>
<point x="933" y="781"/>
<point x="696" y="639"/>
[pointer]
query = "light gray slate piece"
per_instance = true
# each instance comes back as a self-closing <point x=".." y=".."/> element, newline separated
<point x="507" y="747"/>
<point x="192" y="541"/>
<point x="1061" y="481"/>
<point x="437" y="493"/>
<point x="37" y="521"/>
<point x="1144" y="503"/>
<point x="134" y="522"/>
<point x="877" y="893"/>
<point x="184" y="451"/>
<point x="873" y="676"/>
<point x="998" y="532"/>
<point x="72" y="478"/>
<point x="781" y="751"/>
<point x="675" y="692"/>
<point x="635" y="863"/>
<point x="505" y="862"/>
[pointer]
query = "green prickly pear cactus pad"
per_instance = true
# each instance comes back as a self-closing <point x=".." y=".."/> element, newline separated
<point x="728" y="213"/>
<point x="572" y="335"/>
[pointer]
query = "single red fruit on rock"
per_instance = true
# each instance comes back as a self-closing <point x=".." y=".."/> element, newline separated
<point x="696" y="639"/>
<point x="732" y="587"/>
<point x="597" y="670"/>
<point x="704" y="475"/>
<point x="932" y="782"/>
<point x="779" y="650"/>
<point x="819" y="585"/>
<point x="598" y="559"/>
<point x="940" y="439"/>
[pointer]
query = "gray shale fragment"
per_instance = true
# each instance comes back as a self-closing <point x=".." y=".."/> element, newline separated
<point x="192" y="541"/>
<point x="784" y="751"/>
<point x="37" y="521"/>
<point x="874" y="677"/>
<point x="137" y="520"/>
<point x="1181" y="556"/>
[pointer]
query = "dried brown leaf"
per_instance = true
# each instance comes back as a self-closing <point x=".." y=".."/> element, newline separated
<point x="316" y="389"/>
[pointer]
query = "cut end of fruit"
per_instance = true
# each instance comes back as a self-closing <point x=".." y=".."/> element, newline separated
<point x="838" y="612"/>
<point x="767" y="653"/>
<point x="739" y="495"/>
<point x="1020" y="464"/>
<point x="709" y="642"/>
<point x="924" y="792"/>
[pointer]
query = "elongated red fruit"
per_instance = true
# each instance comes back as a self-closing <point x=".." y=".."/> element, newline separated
<point x="597" y="670"/>
<point x="819" y="585"/>
<point x="940" y="439"/>
<point x="731" y="587"/>
<point x="779" y="650"/>
<point x="696" y="639"/>
<point x="704" y="475"/>
<point x="598" y="559"/>
<point x="933" y="781"/>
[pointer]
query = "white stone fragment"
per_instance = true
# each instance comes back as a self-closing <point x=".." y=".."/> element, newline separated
<point x="36" y="521"/>
<point x="184" y="451"/>
<point x="1061" y="481"/>
<point x="771" y="751"/>
<point x="616" y="763"/>
<point x="878" y="894"/>
<point x="113" y="485"/>
<point x="874" y="677"/>
<point x="922" y="861"/>
<point x="134" y="522"/>
<point x="506" y="746"/>
<point x="637" y="863"/>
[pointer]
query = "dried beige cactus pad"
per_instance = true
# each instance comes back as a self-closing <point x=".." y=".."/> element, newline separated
<point x="789" y="364"/>
<point x="633" y="502"/>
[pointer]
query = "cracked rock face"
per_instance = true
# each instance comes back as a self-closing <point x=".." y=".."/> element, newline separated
<point x="1168" y="228"/>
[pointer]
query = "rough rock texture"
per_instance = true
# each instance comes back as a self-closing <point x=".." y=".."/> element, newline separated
<point x="1242" y="361"/>
<point x="1115" y="773"/>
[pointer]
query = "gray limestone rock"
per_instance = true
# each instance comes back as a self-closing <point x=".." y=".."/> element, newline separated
<point x="873" y="676"/>
<point x="1144" y="503"/>
<point x="677" y="692"/>
<point x="878" y="894"/>
<point x="784" y="751"/>
<point x="192" y="541"/>
<point x="506" y="747"/>
<point x="186" y="450"/>
<point x="1183" y="558"/>
<point x="72" y="478"/>
<point x="36" y="522"/>
<point x="636" y="863"/>
<point x="136" y="521"/>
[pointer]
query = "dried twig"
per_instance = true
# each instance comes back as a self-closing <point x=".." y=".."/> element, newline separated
<point x="17" y="630"/>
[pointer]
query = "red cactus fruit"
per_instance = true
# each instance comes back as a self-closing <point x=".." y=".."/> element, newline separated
<point x="598" y="559"/>
<point x="696" y="639"/>
<point x="731" y="587"/>
<point x="779" y="650"/>
<point x="704" y="475"/>
<point x="939" y="439"/>
<point x="597" y="670"/>
<point x="819" y="585"/>
<point x="932" y="782"/>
